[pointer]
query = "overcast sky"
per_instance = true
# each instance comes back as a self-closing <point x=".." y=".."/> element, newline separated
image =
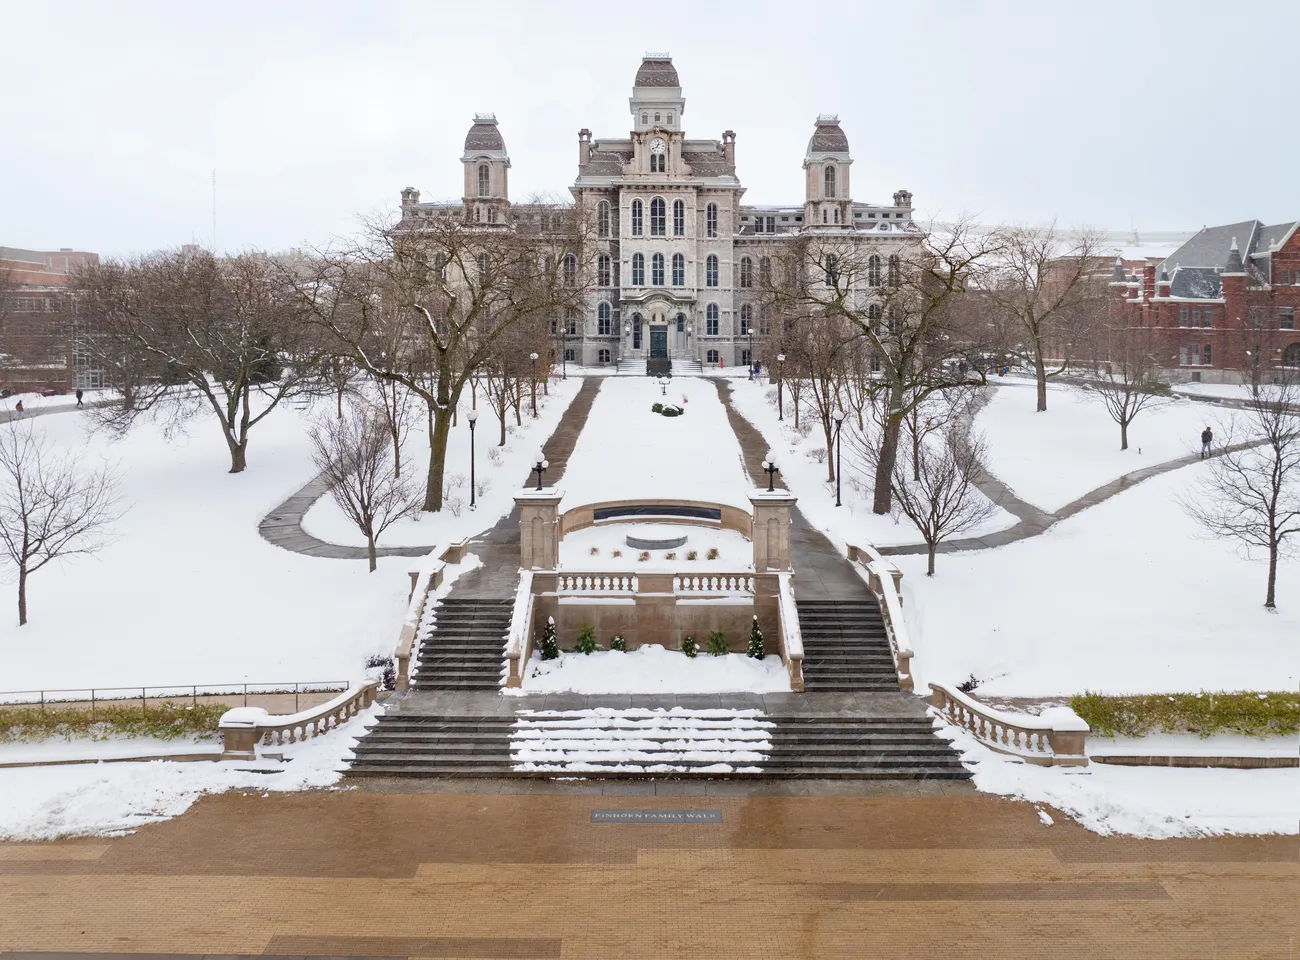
<point x="113" y="116"/>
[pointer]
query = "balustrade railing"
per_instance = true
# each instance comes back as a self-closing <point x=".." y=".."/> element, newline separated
<point x="243" y="728"/>
<point x="1054" y="738"/>
<point x="885" y="582"/>
<point x="714" y="585"/>
<point x="596" y="584"/>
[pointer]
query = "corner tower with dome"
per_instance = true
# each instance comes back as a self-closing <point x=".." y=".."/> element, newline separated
<point x="679" y="257"/>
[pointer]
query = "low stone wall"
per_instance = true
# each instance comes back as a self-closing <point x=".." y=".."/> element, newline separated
<point x="732" y="518"/>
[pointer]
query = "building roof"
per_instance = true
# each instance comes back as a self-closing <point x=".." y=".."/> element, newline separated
<point x="711" y="163"/>
<point x="1211" y="245"/>
<point x="657" y="71"/>
<point x="484" y="135"/>
<point x="1268" y="236"/>
<point x="828" y="137"/>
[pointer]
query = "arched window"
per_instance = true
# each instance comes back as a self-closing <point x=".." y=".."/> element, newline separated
<point x="711" y="320"/>
<point x="636" y="331"/>
<point x="765" y="270"/>
<point x="873" y="317"/>
<point x="657" y="270"/>
<point x="603" y="317"/>
<point x="711" y="220"/>
<point x="657" y="217"/>
<point x="746" y="272"/>
<point x="832" y="269"/>
<point x="681" y="323"/>
<point x="679" y="218"/>
<point x="483" y="264"/>
<point x="1291" y="356"/>
<point x="762" y="320"/>
<point x="571" y="322"/>
<point x="711" y="271"/>
<point x="895" y="270"/>
<point x="828" y="179"/>
<point x="873" y="270"/>
<point x="679" y="270"/>
<point x="825" y="215"/>
<point x="837" y="214"/>
<point x="570" y="270"/>
<point x="746" y="319"/>
<point x="602" y="218"/>
<point x="492" y="214"/>
<point x="636" y="218"/>
<point x="711" y="356"/>
<point x="603" y="273"/>
<point x="484" y="179"/>
<point x="645" y="118"/>
<point x="638" y="270"/>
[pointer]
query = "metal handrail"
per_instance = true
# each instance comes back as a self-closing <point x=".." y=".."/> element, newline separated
<point x="191" y="690"/>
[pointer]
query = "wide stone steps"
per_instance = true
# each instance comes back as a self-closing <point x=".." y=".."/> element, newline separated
<point x="845" y="647"/>
<point x="655" y="743"/>
<point x="464" y="646"/>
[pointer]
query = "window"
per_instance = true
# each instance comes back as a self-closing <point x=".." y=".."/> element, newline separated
<point x="1183" y="314"/>
<point x="873" y="315"/>
<point x="825" y="216"/>
<point x="711" y="320"/>
<point x="483" y="264"/>
<point x="837" y="214"/>
<point x="570" y="270"/>
<point x="711" y="356"/>
<point x="895" y="319"/>
<point x="602" y="218"/>
<point x="762" y="320"/>
<point x="492" y="214"/>
<point x="681" y="323"/>
<point x="1256" y="318"/>
<point x="657" y="162"/>
<point x="645" y="118"/>
<point x="679" y="270"/>
<point x="603" y="317"/>
<point x="895" y="270"/>
<point x="603" y="272"/>
<point x="1291" y="356"/>
<point x="636" y="331"/>
<point x="657" y="217"/>
<point x="765" y="271"/>
<point x="1286" y="318"/>
<point x="484" y="179"/>
<point x="711" y="220"/>
<point x="656" y="118"/>
<point x="744" y="358"/>
<point x="670" y="116"/>
<point x="638" y="270"/>
<point x="1189" y="354"/>
<point x="657" y="270"/>
<point x="828" y="181"/>
<point x="746" y="272"/>
<point x="711" y="271"/>
<point x="746" y="320"/>
<point x="679" y="218"/>
<point x="636" y="218"/>
<point x="571" y="322"/>
<point x="602" y="356"/>
<point x="1207" y="357"/>
<point x="832" y="266"/>
<point x="570" y="354"/>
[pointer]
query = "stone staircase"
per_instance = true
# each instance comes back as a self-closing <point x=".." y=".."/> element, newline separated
<point x="845" y="646"/>
<point x="668" y="743"/>
<point x="465" y="646"/>
<point x="687" y="366"/>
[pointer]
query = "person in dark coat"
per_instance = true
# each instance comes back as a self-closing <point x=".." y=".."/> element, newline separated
<point x="79" y="397"/>
<point x="19" y="409"/>
<point x="1207" y="438"/>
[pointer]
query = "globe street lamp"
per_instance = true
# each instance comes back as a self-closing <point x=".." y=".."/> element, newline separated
<point x="839" y="454"/>
<point x="780" y="405"/>
<point x="770" y="467"/>
<point x="472" y="417"/>
<point x="540" y="463"/>
<point x="533" y="357"/>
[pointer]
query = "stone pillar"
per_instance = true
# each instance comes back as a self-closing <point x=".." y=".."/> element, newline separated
<point x="539" y="528"/>
<point x="771" y="529"/>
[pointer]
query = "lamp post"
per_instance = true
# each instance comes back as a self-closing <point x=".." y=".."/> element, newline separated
<point x="770" y="467"/>
<point x="749" y="328"/>
<point x="472" y="417"/>
<point x="533" y="357"/>
<point x="688" y="339"/>
<point x="627" y="341"/>
<point x="780" y="369"/>
<point x="540" y="463"/>
<point x="839" y="455"/>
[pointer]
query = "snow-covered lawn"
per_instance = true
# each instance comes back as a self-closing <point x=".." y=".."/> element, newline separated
<point x="805" y="475"/>
<point x="626" y="452"/>
<point x="653" y="669"/>
<point x="1052" y="458"/>
<point x="1125" y="597"/>
<point x="735" y="551"/>
<point x="33" y="402"/>
<point x="502" y="473"/>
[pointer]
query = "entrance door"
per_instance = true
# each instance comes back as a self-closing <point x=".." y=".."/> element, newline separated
<point x="658" y="342"/>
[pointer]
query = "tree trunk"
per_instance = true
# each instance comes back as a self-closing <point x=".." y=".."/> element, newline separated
<point x="517" y="396"/>
<point x="1123" y="434"/>
<point x="503" y="425"/>
<point x="1040" y="374"/>
<point x="238" y="456"/>
<point x="916" y="454"/>
<point x="340" y="400"/>
<point x="882" y="497"/>
<point x="929" y="569"/>
<point x="370" y="551"/>
<point x="22" y="594"/>
<point x="437" y="456"/>
<point x="1269" y="599"/>
<point x="830" y="451"/>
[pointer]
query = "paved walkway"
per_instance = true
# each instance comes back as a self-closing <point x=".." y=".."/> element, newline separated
<point x="479" y="874"/>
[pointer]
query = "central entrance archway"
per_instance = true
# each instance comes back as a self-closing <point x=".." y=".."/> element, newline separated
<point x="658" y="342"/>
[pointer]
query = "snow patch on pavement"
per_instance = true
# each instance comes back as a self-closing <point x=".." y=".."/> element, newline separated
<point x="652" y="669"/>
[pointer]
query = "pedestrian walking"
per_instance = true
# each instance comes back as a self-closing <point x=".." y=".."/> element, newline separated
<point x="1207" y="438"/>
<point x="79" y="395"/>
<point x="19" y="409"/>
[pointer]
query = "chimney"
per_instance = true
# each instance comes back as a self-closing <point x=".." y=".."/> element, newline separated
<point x="729" y="149"/>
<point x="584" y="147"/>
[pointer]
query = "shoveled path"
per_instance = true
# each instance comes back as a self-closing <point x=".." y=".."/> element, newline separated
<point x="283" y="525"/>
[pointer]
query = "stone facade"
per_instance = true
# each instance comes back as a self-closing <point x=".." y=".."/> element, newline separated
<point x="679" y="257"/>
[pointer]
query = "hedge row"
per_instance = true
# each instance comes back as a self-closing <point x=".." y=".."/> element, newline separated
<point x="167" y="721"/>
<point x="1205" y="714"/>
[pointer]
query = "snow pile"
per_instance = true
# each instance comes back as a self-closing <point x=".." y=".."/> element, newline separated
<point x="662" y="740"/>
<point x="652" y="669"/>
<point x="1153" y="802"/>
<point x="43" y="803"/>
<point x="625" y="452"/>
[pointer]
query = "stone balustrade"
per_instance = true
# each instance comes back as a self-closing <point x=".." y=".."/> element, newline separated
<point x="244" y="728"/>
<point x="885" y="581"/>
<point x="519" y="641"/>
<point x="595" y="584"/>
<point x="1057" y="737"/>
<point x="790" y="633"/>
<point x="423" y="582"/>
<point x="714" y="585"/>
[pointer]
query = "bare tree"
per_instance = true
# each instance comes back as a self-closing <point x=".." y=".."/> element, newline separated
<point x="52" y="504"/>
<point x="942" y="498"/>
<point x="1045" y="286"/>
<point x="1251" y="492"/>
<point x="1128" y="373"/>
<point x="354" y="455"/>
<point x="187" y="332"/>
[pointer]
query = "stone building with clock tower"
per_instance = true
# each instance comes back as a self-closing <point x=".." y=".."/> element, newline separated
<point x="679" y="257"/>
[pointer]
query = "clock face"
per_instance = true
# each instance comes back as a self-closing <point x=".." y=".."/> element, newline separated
<point x="657" y="145"/>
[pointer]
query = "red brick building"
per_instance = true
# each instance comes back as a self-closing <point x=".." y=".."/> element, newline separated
<point x="1223" y="306"/>
<point x="37" y="322"/>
